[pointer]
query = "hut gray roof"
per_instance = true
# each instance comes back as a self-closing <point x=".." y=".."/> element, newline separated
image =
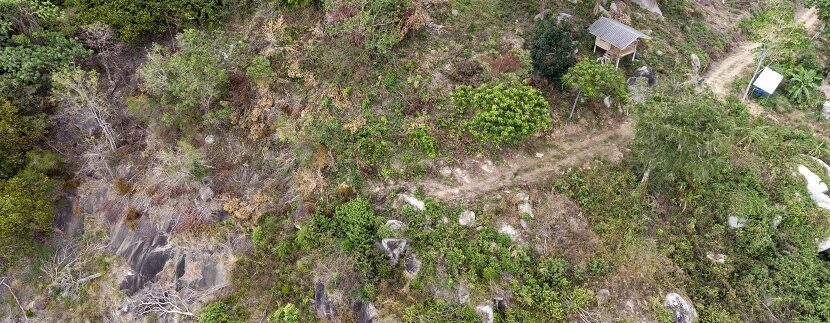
<point x="616" y="33"/>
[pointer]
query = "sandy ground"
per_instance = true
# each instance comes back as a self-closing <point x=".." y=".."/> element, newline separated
<point x="480" y="176"/>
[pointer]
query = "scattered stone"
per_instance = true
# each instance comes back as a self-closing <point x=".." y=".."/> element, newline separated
<point x="467" y="218"/>
<point x="394" y="225"/>
<point x="205" y="193"/>
<point x="603" y="296"/>
<point x="696" y="65"/>
<point x="541" y="15"/>
<point x="524" y="204"/>
<point x="540" y="155"/>
<point x="394" y="248"/>
<point x="322" y="302"/>
<point x="716" y="257"/>
<point x="683" y="310"/>
<point x="510" y="232"/>
<point x="486" y="313"/>
<point x="209" y="140"/>
<point x="409" y="199"/>
<point x="454" y="12"/>
<point x="488" y="166"/>
<point x="460" y="175"/>
<point x="826" y="109"/>
<point x="607" y="101"/>
<point x="463" y="293"/>
<point x="816" y="187"/>
<point x="411" y="265"/>
<point x="644" y="72"/>
<point x="523" y="223"/>
<point x="445" y="171"/>
<point x="736" y="222"/>
<point x="562" y="16"/>
<point x="824" y="245"/>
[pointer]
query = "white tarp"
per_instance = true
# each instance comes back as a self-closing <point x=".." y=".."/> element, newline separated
<point x="768" y="80"/>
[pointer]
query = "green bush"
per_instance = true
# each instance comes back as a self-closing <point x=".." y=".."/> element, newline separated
<point x="18" y="135"/>
<point x="216" y="312"/>
<point x="184" y="87"/>
<point x="552" y="49"/>
<point x="286" y="314"/>
<point x="420" y="138"/>
<point x="502" y="114"/>
<point x="25" y="213"/>
<point x="27" y="60"/>
<point x="133" y="20"/>
<point x="356" y="224"/>
<point x="596" y="81"/>
<point x="803" y="87"/>
<point x="259" y="70"/>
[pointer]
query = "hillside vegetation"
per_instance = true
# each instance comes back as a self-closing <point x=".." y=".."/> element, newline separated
<point x="412" y="161"/>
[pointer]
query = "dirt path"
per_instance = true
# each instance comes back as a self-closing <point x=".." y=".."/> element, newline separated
<point x="723" y="73"/>
<point x="480" y="176"/>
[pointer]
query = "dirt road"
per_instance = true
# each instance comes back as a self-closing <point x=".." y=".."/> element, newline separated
<point x="723" y="73"/>
<point x="481" y="176"/>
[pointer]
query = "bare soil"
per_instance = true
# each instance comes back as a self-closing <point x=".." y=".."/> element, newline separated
<point x="571" y="147"/>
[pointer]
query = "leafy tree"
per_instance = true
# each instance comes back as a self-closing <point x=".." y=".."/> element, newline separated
<point x="286" y="314"/>
<point x="187" y="84"/>
<point x="502" y="114"/>
<point x="25" y="212"/>
<point x="18" y="134"/>
<point x="803" y="86"/>
<point x="26" y="60"/>
<point x="596" y="81"/>
<point x="216" y="312"/>
<point x="552" y="49"/>
<point x="133" y="20"/>
<point x="680" y="136"/>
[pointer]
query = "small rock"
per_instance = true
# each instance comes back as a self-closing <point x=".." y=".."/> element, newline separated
<point x="607" y="101"/>
<point x="409" y="199"/>
<point x="716" y="257"/>
<point x="394" y="225"/>
<point x="486" y="313"/>
<point x="683" y="310"/>
<point x="487" y="166"/>
<point x="209" y="140"/>
<point x="824" y="245"/>
<point x="510" y="232"/>
<point x="696" y="63"/>
<point x="454" y="12"/>
<point x="523" y="223"/>
<point x="736" y="222"/>
<point x="467" y="218"/>
<point x="524" y="206"/>
<point x="463" y="293"/>
<point x="540" y="155"/>
<point x="394" y="248"/>
<point x="603" y="296"/>
<point x="541" y="15"/>
<point x="411" y="265"/>
<point x="205" y="193"/>
<point x="500" y="304"/>
<point x="660" y="53"/>
<point x="826" y="109"/>
<point x="445" y="171"/>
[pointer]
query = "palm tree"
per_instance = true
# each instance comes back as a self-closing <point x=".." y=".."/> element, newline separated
<point x="803" y="85"/>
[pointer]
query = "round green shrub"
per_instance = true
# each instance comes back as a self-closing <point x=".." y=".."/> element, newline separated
<point x="502" y="114"/>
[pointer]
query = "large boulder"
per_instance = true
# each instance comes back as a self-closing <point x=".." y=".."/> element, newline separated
<point x="486" y="313"/>
<point x="682" y="310"/>
<point x="323" y="304"/>
<point x="650" y="5"/>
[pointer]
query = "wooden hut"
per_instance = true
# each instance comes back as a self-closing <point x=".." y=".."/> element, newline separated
<point x="616" y="38"/>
